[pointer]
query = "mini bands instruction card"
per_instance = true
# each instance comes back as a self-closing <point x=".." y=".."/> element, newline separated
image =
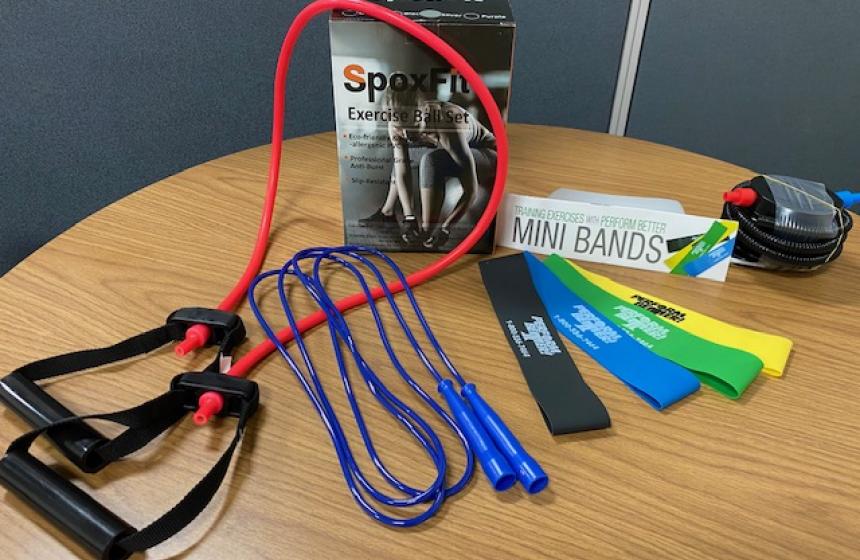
<point x="625" y="236"/>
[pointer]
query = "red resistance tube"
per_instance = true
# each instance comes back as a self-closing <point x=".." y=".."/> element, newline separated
<point x="197" y="335"/>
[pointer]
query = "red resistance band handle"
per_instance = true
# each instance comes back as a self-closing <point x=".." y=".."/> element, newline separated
<point x="497" y="124"/>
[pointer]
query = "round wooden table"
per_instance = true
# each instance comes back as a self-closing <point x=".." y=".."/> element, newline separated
<point x="774" y="475"/>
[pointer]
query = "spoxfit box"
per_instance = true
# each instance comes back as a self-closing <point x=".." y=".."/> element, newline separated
<point x="417" y="157"/>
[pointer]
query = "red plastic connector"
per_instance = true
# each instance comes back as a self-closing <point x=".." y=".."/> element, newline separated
<point x="744" y="197"/>
<point x="209" y="404"/>
<point x="195" y="337"/>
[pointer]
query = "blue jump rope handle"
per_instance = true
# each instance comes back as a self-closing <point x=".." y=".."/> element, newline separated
<point x="495" y="465"/>
<point x="529" y="472"/>
<point x="849" y="198"/>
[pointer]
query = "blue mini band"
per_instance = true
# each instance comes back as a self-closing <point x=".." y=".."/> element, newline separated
<point x="708" y="260"/>
<point x="656" y="380"/>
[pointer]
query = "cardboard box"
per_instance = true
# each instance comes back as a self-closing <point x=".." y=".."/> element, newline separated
<point x="417" y="158"/>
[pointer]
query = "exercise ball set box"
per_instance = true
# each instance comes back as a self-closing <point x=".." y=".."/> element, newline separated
<point x="417" y="158"/>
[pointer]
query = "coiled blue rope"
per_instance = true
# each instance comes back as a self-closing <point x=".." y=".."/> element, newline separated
<point x="363" y="491"/>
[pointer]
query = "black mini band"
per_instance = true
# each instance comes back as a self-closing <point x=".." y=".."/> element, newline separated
<point x="566" y="401"/>
<point x="675" y="245"/>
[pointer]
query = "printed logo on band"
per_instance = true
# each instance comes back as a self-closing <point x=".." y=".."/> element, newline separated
<point x="537" y="333"/>
<point x="633" y="322"/>
<point x="588" y="322"/>
<point x="659" y="309"/>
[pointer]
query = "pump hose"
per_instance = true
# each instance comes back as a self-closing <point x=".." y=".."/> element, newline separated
<point x="754" y="243"/>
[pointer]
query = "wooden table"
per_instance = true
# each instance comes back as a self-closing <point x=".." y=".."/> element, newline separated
<point x="774" y="475"/>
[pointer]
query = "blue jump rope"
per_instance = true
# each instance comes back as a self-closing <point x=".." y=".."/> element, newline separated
<point x="480" y="430"/>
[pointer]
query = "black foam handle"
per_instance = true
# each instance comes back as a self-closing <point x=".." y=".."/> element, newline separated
<point x="77" y="440"/>
<point x="69" y="508"/>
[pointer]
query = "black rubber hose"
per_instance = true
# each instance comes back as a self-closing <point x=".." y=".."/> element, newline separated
<point x="754" y="243"/>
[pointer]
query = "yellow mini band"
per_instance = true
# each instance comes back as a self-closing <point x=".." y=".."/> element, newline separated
<point x="771" y="349"/>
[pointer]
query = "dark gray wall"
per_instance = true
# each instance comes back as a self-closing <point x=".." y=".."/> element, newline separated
<point x="773" y="84"/>
<point x="99" y="98"/>
<point x="566" y="63"/>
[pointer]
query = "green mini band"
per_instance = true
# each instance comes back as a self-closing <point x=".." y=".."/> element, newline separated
<point x="702" y="246"/>
<point x="729" y="371"/>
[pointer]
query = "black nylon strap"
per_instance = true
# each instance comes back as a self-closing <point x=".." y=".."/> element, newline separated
<point x="88" y="359"/>
<point x="172" y="331"/>
<point x="145" y="422"/>
<point x="74" y="511"/>
<point x="192" y="504"/>
<point x="79" y="442"/>
<point x="135" y="419"/>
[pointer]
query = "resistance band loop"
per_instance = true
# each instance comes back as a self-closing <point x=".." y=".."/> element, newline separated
<point x="86" y="520"/>
<point x="497" y="125"/>
<point x="727" y="370"/>
<point x="79" y="442"/>
<point x="771" y="349"/>
<point x="657" y="381"/>
<point x="567" y="403"/>
<point x="67" y="506"/>
<point x="501" y="467"/>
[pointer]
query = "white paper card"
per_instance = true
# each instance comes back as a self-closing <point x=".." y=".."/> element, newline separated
<point x="624" y="236"/>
